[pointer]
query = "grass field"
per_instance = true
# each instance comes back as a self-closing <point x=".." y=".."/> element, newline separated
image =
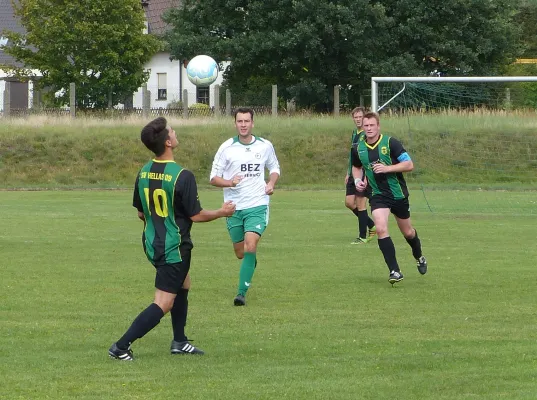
<point x="477" y="150"/>
<point x="322" y="321"/>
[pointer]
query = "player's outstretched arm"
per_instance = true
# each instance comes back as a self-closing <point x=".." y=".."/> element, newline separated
<point x="218" y="181"/>
<point x="227" y="210"/>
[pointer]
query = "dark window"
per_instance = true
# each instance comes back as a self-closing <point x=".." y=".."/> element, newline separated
<point x="162" y="86"/>
<point x="202" y="95"/>
<point x="162" y="94"/>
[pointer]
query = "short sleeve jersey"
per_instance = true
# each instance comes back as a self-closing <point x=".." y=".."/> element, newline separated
<point x="249" y="161"/>
<point x="386" y="150"/>
<point x="167" y="195"/>
<point x="356" y="137"/>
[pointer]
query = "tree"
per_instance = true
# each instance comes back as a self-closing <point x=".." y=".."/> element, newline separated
<point x="524" y="94"/>
<point x="527" y="19"/>
<point x="97" y="44"/>
<point x="309" y="46"/>
<point x="456" y="37"/>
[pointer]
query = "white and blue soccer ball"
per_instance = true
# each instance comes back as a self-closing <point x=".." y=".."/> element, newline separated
<point x="202" y="70"/>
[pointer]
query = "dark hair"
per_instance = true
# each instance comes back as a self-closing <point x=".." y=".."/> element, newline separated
<point x="155" y="134"/>
<point x="357" y="109"/>
<point x="244" y="110"/>
<point x="372" y="115"/>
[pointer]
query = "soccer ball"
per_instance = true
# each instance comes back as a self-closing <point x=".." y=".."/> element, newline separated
<point x="202" y="70"/>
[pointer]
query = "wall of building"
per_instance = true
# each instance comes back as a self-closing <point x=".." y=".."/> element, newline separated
<point x="159" y="64"/>
<point x="175" y="82"/>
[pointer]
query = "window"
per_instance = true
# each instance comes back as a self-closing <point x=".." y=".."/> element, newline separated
<point x="202" y="95"/>
<point x="162" y="87"/>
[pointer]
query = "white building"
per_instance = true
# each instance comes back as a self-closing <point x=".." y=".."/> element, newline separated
<point x="168" y="79"/>
<point x="21" y="92"/>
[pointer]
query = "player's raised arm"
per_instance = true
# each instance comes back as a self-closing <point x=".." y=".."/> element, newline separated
<point x="227" y="210"/>
<point x="188" y="189"/>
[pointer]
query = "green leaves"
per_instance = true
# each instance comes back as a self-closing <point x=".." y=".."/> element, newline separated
<point x="99" y="45"/>
<point x="527" y="19"/>
<point x="317" y="42"/>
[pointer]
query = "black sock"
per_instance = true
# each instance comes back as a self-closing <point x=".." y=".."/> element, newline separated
<point x="144" y="322"/>
<point x="179" y="313"/>
<point x="388" y="251"/>
<point x="370" y="222"/>
<point x="356" y="212"/>
<point x="415" y="244"/>
<point x="362" y="223"/>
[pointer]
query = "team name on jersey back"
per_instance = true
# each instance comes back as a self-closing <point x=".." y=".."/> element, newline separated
<point x="156" y="187"/>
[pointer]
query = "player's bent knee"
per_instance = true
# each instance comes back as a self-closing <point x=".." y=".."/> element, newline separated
<point x="250" y="246"/>
<point x="382" y="232"/>
<point x="164" y="300"/>
<point x="165" y="304"/>
<point x="409" y="233"/>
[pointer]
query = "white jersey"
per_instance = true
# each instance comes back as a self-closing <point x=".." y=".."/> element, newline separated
<point x="249" y="161"/>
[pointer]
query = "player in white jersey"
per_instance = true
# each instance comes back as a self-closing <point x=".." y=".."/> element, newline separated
<point x="239" y="167"/>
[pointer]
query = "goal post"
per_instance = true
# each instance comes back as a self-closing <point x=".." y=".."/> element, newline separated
<point x="470" y="137"/>
<point x="458" y="79"/>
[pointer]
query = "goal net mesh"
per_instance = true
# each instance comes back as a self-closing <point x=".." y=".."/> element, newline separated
<point x="475" y="141"/>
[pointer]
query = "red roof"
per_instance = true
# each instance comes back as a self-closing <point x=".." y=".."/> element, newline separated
<point x="154" y="10"/>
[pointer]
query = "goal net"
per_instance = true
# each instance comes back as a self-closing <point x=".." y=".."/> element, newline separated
<point x="473" y="142"/>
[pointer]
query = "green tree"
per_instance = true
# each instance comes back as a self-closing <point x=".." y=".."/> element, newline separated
<point x="97" y="44"/>
<point x="309" y="46"/>
<point x="524" y="94"/>
<point x="527" y="19"/>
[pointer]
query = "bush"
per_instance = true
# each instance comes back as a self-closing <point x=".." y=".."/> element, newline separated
<point x="199" y="110"/>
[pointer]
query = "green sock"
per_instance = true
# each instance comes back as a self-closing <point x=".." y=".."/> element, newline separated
<point x="247" y="272"/>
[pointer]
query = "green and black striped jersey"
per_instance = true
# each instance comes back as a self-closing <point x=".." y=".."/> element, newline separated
<point x="388" y="151"/>
<point x="357" y="135"/>
<point x="167" y="195"/>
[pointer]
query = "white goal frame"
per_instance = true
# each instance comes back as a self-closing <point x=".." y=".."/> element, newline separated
<point x="375" y="81"/>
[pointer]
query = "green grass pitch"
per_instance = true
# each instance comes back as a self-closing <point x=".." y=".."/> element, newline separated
<point x="321" y="322"/>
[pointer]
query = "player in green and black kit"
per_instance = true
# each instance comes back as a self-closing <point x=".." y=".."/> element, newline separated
<point x="384" y="160"/>
<point x="354" y="200"/>
<point x="166" y="197"/>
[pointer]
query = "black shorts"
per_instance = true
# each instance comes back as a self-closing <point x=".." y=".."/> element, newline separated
<point x="351" y="189"/>
<point x="400" y="208"/>
<point x="170" y="277"/>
